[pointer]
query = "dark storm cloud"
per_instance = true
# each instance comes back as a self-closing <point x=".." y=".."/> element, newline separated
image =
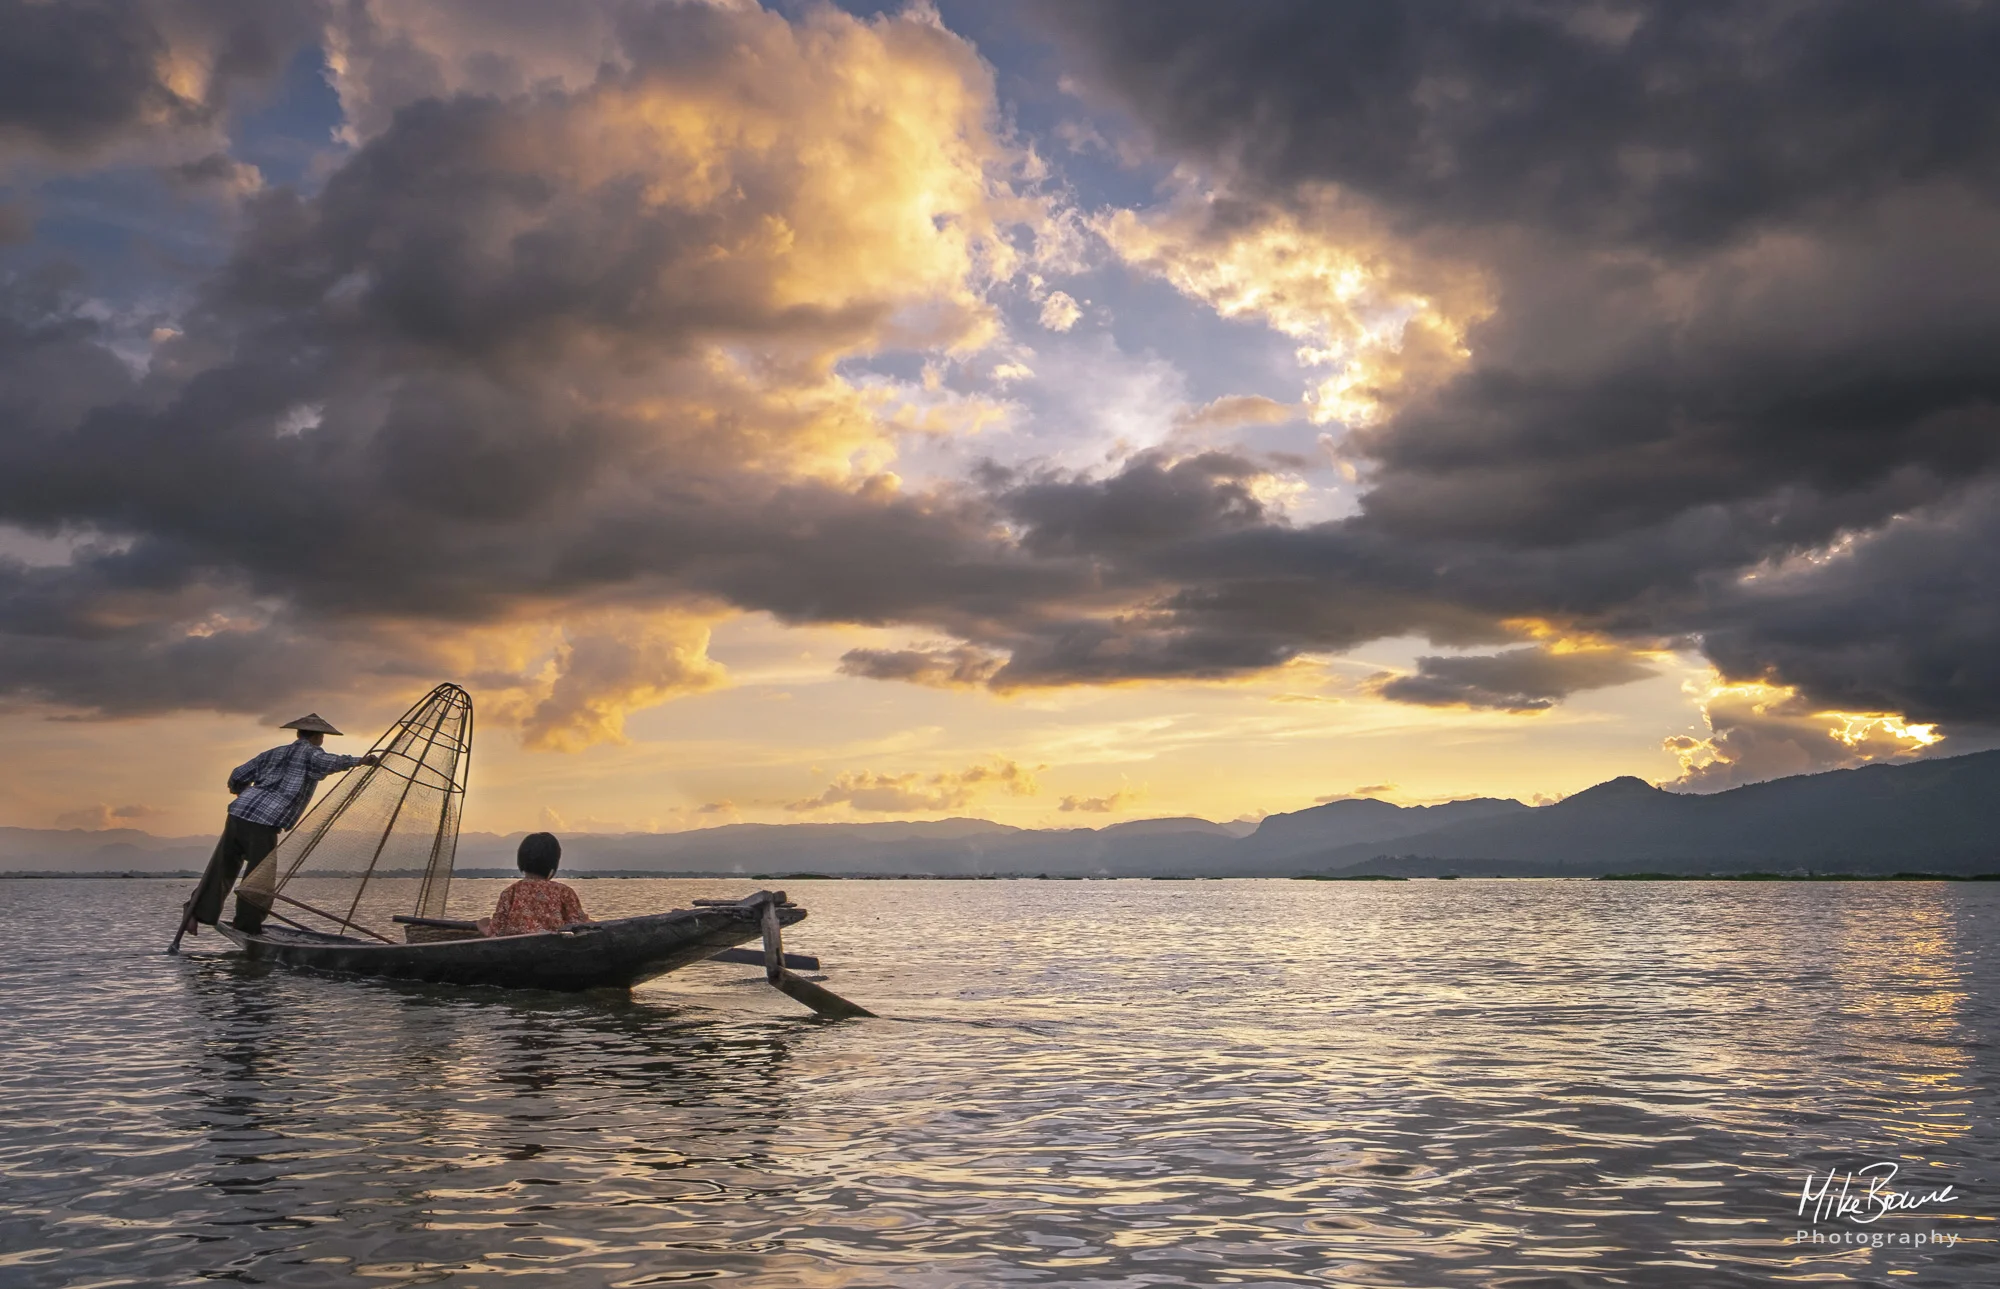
<point x="1148" y="502"/>
<point x="1094" y="651"/>
<point x="75" y="75"/>
<point x="520" y="359"/>
<point x="1745" y="286"/>
<point x="79" y="75"/>
<point x="1519" y="680"/>
<point x="943" y="668"/>
<point x="1670" y="123"/>
<point x="526" y="348"/>
<point x="1903" y="621"/>
<point x="1850" y="365"/>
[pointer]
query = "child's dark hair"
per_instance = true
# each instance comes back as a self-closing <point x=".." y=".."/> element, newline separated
<point x="539" y="854"/>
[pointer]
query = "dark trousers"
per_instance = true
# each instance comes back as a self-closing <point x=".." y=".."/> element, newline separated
<point x="243" y="845"/>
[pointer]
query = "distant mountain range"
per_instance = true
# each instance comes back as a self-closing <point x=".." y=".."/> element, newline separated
<point x="1939" y="815"/>
<point x="105" y="850"/>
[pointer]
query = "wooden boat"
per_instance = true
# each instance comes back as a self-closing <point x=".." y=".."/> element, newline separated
<point x="401" y="814"/>
<point x="618" y="953"/>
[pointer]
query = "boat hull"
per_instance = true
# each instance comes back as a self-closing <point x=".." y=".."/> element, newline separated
<point x="619" y="953"/>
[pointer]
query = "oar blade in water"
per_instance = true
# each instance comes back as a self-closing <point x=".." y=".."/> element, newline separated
<point x="824" y="1001"/>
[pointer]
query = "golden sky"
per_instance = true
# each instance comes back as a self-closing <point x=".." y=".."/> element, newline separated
<point x="801" y="414"/>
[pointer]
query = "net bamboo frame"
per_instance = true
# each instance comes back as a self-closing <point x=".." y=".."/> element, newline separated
<point x="394" y="817"/>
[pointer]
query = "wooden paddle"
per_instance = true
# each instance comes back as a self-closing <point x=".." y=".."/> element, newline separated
<point x="824" y="1001"/>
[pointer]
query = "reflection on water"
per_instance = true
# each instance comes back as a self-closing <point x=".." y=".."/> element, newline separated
<point x="1130" y="1083"/>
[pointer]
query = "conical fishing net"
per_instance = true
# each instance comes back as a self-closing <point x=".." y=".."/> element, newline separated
<point x="382" y="841"/>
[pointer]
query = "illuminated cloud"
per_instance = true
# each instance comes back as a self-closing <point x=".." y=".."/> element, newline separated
<point x="1758" y="732"/>
<point x="1112" y="804"/>
<point x="1233" y="410"/>
<point x="914" y="793"/>
<point x="1382" y="319"/>
<point x="1366" y="792"/>
<point x="605" y="669"/>
<point x="1059" y="312"/>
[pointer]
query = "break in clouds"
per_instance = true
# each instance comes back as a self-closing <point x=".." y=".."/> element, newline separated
<point x="1638" y="327"/>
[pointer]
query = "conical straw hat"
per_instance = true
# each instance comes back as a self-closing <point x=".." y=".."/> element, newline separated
<point x="310" y="723"/>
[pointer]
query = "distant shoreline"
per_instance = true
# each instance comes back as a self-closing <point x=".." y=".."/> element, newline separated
<point x="1800" y="877"/>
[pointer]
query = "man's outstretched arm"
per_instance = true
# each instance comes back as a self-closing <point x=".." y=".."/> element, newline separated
<point x="325" y="762"/>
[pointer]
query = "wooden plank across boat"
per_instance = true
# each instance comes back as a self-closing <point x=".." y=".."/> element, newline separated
<point x="617" y="953"/>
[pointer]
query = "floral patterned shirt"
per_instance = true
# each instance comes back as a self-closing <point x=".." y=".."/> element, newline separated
<point x="534" y="904"/>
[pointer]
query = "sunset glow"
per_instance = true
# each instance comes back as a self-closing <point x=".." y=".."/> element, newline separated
<point x="780" y="413"/>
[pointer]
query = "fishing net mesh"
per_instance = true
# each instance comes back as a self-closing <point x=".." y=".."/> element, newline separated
<point x="382" y="841"/>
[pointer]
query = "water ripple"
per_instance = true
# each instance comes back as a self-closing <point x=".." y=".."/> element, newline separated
<point x="1113" y="1084"/>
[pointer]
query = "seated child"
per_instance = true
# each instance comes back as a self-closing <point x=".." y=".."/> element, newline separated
<point x="535" y="903"/>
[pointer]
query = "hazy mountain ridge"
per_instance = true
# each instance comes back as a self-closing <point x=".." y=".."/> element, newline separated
<point x="1360" y="821"/>
<point x="108" y="850"/>
<point x="1938" y="815"/>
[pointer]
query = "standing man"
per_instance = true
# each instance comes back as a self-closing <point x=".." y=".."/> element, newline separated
<point x="271" y="790"/>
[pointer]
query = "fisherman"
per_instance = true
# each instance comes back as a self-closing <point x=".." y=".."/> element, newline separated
<point x="271" y="791"/>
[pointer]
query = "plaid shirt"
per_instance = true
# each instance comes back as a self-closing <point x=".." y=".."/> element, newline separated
<point x="275" y="786"/>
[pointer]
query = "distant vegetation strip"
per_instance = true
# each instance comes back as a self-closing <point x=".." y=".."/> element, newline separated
<point x="186" y="874"/>
<point x="1800" y="877"/>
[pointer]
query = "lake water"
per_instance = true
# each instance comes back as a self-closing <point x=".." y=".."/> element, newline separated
<point x="1093" y="1083"/>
